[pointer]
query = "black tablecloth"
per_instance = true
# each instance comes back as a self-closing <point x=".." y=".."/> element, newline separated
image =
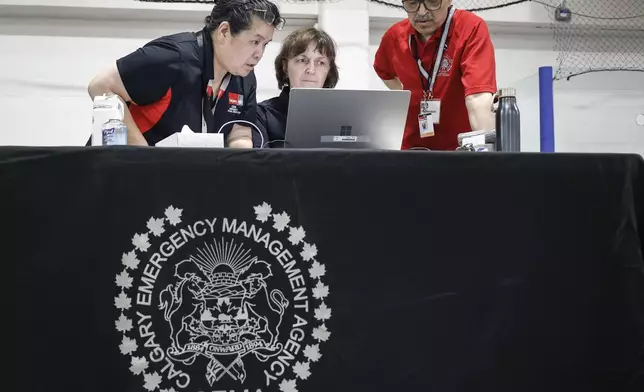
<point x="198" y="270"/>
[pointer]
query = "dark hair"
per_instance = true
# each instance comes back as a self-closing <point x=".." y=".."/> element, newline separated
<point x="239" y="14"/>
<point x="296" y="43"/>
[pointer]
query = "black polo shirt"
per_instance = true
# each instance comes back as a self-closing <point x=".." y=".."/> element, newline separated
<point x="271" y="119"/>
<point x="167" y="80"/>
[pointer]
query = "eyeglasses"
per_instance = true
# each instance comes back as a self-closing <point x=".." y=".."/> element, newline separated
<point x="414" y="5"/>
<point x="272" y="19"/>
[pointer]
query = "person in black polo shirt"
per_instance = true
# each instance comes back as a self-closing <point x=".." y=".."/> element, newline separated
<point x="306" y="59"/>
<point x="204" y="80"/>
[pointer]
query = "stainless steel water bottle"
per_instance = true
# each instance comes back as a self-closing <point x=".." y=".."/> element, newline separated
<point x="508" y="121"/>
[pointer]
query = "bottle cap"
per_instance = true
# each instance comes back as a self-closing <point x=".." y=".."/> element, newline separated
<point x="508" y="92"/>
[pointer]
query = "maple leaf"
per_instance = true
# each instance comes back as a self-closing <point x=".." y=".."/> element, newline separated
<point x="323" y="312"/>
<point x="281" y="221"/>
<point x="130" y="260"/>
<point x="321" y="333"/>
<point x="123" y="280"/>
<point x="156" y="226"/>
<point x="320" y="290"/>
<point x="317" y="270"/>
<point x="123" y="324"/>
<point x="309" y="251"/>
<point x="312" y="352"/>
<point x="288" y="386"/>
<point x="122" y="301"/>
<point x="173" y="215"/>
<point x="139" y="365"/>
<point x="141" y="242"/>
<point x="152" y="381"/>
<point x="297" y="234"/>
<point x="302" y="370"/>
<point x="225" y="307"/>
<point x="128" y="346"/>
<point x="263" y="211"/>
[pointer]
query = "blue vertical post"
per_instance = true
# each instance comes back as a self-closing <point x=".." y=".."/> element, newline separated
<point x="546" y="110"/>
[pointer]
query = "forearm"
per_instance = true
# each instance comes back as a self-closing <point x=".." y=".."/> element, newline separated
<point x="101" y="85"/>
<point x="393" y="84"/>
<point x="134" y="135"/>
<point x="479" y="110"/>
<point x="240" y="137"/>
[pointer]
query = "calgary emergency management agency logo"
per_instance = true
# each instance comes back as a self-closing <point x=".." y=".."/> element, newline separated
<point x="446" y="66"/>
<point x="222" y="304"/>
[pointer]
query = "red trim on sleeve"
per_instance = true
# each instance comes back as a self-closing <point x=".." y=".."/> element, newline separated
<point x="148" y="116"/>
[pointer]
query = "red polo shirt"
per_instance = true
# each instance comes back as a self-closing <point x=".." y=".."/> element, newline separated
<point x="468" y="67"/>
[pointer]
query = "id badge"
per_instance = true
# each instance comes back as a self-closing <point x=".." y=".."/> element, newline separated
<point x="431" y="108"/>
<point x="425" y="125"/>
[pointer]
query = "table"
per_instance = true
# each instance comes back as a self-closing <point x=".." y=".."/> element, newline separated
<point x="143" y="269"/>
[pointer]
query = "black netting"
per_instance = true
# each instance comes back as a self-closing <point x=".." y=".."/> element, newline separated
<point x="470" y="5"/>
<point x="606" y="35"/>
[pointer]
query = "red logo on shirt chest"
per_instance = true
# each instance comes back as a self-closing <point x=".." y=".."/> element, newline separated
<point x="235" y="99"/>
<point x="446" y="66"/>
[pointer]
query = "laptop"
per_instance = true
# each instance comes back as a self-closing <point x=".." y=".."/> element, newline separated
<point x="348" y="119"/>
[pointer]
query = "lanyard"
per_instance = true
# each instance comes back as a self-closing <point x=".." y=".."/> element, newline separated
<point x="439" y="55"/>
<point x="222" y="90"/>
<point x="206" y="101"/>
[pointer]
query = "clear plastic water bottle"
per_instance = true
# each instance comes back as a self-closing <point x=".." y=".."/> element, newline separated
<point x="106" y="107"/>
<point x="114" y="133"/>
<point x="508" y="122"/>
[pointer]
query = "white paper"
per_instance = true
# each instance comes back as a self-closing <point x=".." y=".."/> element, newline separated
<point x="477" y="140"/>
<point x="187" y="138"/>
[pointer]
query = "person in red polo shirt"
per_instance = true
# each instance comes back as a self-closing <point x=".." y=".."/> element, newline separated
<point x="448" y="96"/>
